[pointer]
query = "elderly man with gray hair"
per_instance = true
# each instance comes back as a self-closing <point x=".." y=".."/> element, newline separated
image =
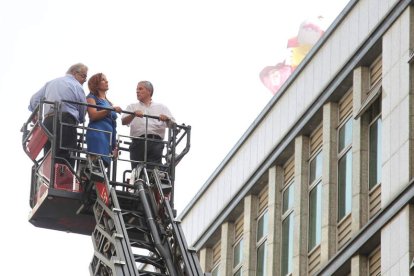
<point x="155" y="128"/>
<point x="69" y="88"/>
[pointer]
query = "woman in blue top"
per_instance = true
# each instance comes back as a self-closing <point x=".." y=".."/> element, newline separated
<point x="103" y="139"/>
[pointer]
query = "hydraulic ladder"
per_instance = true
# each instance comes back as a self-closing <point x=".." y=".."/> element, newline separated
<point x="135" y="227"/>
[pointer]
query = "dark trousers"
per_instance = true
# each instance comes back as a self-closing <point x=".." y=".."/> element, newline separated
<point x="69" y="137"/>
<point x="154" y="150"/>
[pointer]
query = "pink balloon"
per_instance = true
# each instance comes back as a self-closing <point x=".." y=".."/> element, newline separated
<point x="273" y="77"/>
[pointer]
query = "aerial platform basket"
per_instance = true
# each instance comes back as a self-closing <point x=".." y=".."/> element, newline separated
<point x="56" y="209"/>
<point x="56" y="195"/>
<point x="56" y="205"/>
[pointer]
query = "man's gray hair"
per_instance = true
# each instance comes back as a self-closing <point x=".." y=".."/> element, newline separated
<point x="148" y="85"/>
<point x="76" y="68"/>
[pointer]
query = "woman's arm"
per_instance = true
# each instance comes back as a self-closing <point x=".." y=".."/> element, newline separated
<point x="94" y="114"/>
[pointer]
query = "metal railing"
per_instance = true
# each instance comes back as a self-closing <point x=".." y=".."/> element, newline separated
<point x="178" y="135"/>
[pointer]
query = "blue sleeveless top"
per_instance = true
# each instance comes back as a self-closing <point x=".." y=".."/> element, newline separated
<point x="102" y="142"/>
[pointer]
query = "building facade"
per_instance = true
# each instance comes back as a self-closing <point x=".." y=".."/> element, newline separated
<point x="322" y="182"/>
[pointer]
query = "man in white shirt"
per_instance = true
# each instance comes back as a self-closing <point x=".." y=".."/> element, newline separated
<point x="154" y="129"/>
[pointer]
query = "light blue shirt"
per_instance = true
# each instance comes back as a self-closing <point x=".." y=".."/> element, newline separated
<point x="63" y="88"/>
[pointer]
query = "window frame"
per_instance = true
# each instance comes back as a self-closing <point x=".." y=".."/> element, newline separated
<point x="372" y="121"/>
<point x="238" y="266"/>
<point x="288" y="214"/>
<point x="340" y="155"/>
<point x="290" y="184"/>
<point x="215" y="268"/>
<point x="263" y="239"/>
<point x="311" y="186"/>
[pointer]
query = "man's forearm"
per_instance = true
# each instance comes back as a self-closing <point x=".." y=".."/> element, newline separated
<point x="127" y="119"/>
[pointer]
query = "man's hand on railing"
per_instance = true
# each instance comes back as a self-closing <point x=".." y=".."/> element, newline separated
<point x="164" y="118"/>
<point x="139" y="113"/>
<point x="117" y="109"/>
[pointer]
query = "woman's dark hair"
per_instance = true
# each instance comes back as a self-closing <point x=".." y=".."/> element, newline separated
<point x="93" y="84"/>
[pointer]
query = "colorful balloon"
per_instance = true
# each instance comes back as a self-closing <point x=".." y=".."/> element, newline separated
<point x="310" y="31"/>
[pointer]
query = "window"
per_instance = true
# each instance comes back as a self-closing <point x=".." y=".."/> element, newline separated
<point x="262" y="225"/>
<point x="215" y="271"/>
<point x="375" y="144"/>
<point x="345" y="169"/>
<point x="238" y="258"/>
<point x="315" y="200"/>
<point x="238" y="272"/>
<point x="287" y="229"/>
<point x="238" y="247"/>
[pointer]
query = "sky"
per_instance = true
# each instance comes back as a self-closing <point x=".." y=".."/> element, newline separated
<point x="203" y="57"/>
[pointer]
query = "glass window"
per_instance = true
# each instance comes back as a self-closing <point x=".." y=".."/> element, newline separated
<point x="315" y="201"/>
<point x="261" y="244"/>
<point x="315" y="216"/>
<point x="345" y="170"/>
<point x="287" y="245"/>
<point x="315" y="168"/>
<point x="345" y="185"/>
<point x="238" y="253"/>
<point x="262" y="226"/>
<point x="375" y="152"/>
<point x="287" y="230"/>
<point x="215" y="271"/>
<point x="238" y="272"/>
<point x="261" y="260"/>
<point x="288" y="198"/>
<point x="345" y="135"/>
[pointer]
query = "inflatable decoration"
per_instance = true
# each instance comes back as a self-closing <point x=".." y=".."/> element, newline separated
<point x="273" y="77"/>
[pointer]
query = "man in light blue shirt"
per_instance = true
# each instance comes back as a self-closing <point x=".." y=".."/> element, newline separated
<point x="69" y="88"/>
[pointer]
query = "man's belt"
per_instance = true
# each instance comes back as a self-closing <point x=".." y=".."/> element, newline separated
<point x="152" y="136"/>
<point x="63" y="113"/>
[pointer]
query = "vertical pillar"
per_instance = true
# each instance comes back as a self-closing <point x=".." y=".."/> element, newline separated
<point x="300" y="248"/>
<point x="249" y="232"/>
<point x="227" y="239"/>
<point x="329" y="181"/>
<point x="359" y="265"/>
<point x="206" y="259"/>
<point x="274" y="237"/>
<point x="360" y="170"/>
